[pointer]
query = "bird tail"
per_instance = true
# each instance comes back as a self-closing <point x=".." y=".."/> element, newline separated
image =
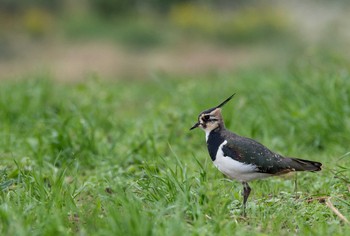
<point x="305" y="165"/>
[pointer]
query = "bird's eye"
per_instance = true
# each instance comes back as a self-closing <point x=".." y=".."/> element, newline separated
<point x="206" y="117"/>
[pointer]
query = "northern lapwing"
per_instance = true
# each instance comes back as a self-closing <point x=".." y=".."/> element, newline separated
<point x="242" y="158"/>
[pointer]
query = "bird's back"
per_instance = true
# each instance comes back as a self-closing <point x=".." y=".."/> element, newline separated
<point x="251" y="152"/>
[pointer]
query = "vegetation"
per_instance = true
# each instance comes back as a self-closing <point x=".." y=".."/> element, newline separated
<point x="148" y="24"/>
<point x="102" y="157"/>
<point x="117" y="158"/>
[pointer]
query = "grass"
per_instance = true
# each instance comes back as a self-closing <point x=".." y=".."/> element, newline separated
<point x="133" y="32"/>
<point x="184" y="23"/>
<point x="116" y="158"/>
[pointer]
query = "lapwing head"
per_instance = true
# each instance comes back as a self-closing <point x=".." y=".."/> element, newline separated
<point x="211" y="119"/>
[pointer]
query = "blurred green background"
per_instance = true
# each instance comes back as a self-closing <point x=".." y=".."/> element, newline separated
<point x="135" y="39"/>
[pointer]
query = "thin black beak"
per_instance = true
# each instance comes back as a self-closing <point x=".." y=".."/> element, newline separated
<point x="219" y="106"/>
<point x="195" y="126"/>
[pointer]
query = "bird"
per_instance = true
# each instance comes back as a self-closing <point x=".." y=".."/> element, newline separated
<point x="244" y="159"/>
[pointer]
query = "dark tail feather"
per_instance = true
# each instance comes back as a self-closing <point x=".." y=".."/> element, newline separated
<point x="305" y="165"/>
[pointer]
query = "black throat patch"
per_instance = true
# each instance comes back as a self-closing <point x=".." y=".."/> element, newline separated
<point x="213" y="143"/>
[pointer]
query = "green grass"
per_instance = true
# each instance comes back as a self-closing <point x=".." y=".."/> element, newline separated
<point x="117" y="158"/>
<point x="134" y="33"/>
<point x="183" y="24"/>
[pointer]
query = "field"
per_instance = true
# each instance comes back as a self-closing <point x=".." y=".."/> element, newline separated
<point x="97" y="98"/>
<point x="117" y="158"/>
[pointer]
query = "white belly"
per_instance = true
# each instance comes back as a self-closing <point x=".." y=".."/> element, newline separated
<point x="236" y="170"/>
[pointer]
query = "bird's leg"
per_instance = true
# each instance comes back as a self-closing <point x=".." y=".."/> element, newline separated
<point x="246" y="192"/>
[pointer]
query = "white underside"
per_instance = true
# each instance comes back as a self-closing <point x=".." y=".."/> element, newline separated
<point x="206" y="135"/>
<point x="234" y="169"/>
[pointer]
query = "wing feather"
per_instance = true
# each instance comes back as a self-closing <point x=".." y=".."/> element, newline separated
<point x="249" y="151"/>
